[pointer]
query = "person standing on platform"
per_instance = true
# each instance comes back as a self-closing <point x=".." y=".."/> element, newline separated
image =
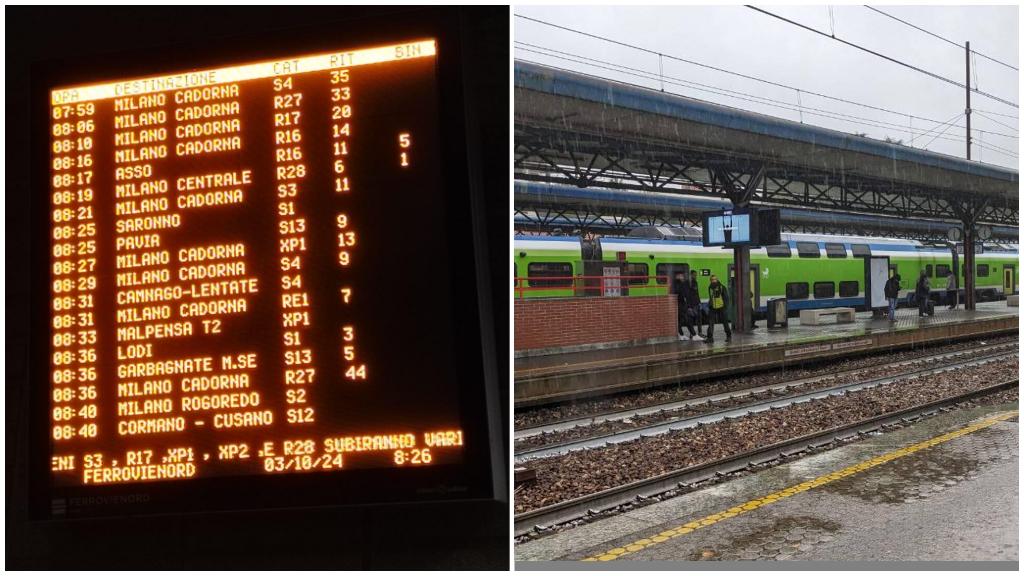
<point x="693" y="297"/>
<point x="892" y="293"/>
<point x="922" y="291"/>
<point x="681" y="288"/>
<point x="951" y="290"/>
<point x="718" y="296"/>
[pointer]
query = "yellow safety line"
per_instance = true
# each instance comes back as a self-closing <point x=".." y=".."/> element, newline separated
<point x="616" y="553"/>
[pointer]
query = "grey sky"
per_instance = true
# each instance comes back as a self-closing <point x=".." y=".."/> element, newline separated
<point x="742" y="40"/>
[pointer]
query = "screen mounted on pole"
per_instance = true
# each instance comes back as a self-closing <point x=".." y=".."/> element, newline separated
<point x="728" y="228"/>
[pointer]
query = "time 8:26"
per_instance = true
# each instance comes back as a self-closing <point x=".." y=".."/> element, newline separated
<point x="414" y="456"/>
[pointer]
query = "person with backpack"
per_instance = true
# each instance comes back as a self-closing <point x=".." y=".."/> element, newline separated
<point x="922" y="292"/>
<point x="892" y="293"/>
<point x="718" y="296"/>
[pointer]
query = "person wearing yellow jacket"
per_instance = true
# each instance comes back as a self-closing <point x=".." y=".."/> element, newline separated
<point x="718" y="298"/>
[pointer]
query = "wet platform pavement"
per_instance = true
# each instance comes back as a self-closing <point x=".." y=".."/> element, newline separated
<point x="906" y="319"/>
<point x="944" y="488"/>
<point x="585" y="373"/>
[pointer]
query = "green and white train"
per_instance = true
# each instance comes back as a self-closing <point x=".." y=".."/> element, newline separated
<point x="811" y="271"/>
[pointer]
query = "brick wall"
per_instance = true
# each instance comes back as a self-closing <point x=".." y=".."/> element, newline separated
<point x="554" y="322"/>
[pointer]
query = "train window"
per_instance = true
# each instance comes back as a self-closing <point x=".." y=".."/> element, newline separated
<point x="982" y="270"/>
<point x="796" y="290"/>
<point x="665" y="269"/>
<point x="848" y="288"/>
<point x="941" y="270"/>
<point x="860" y="249"/>
<point x="638" y="270"/>
<point x="928" y="270"/>
<point x="808" y="249"/>
<point x="550" y="274"/>
<point x="778" y="251"/>
<point x="824" y="290"/>
<point x="834" y="250"/>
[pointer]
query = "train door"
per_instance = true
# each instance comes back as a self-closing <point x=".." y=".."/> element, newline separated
<point x="1009" y="279"/>
<point x="755" y="283"/>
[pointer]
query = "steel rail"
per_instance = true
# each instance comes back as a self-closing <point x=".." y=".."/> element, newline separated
<point x="741" y="411"/>
<point x="593" y="504"/>
<point x="615" y="415"/>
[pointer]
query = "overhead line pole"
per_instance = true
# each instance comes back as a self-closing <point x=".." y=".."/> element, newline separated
<point x="968" y="110"/>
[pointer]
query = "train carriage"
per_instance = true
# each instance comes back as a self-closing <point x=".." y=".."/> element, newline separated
<point x="811" y="271"/>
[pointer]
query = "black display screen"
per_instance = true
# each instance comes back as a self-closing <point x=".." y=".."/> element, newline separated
<point x="230" y="295"/>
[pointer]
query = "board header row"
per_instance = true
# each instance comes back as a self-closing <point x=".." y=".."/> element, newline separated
<point x="255" y="71"/>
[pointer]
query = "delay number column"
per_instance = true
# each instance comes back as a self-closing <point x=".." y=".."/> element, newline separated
<point x="341" y="132"/>
<point x="289" y="173"/>
<point x="74" y="378"/>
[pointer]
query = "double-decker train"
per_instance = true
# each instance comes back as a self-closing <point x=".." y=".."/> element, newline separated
<point x="810" y="271"/>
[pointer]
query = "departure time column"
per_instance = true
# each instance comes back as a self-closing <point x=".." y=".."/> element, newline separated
<point x="74" y="359"/>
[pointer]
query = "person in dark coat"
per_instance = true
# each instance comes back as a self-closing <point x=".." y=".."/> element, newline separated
<point x="892" y="293"/>
<point x="718" y="298"/>
<point x="693" y="297"/>
<point x="681" y="288"/>
<point x="922" y="291"/>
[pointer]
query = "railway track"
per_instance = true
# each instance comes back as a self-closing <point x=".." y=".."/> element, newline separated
<point x="575" y="509"/>
<point x="536" y="418"/>
<point x="618" y="415"/>
<point x="989" y="354"/>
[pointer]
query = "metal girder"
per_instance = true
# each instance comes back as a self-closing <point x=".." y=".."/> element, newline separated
<point x="583" y="160"/>
<point x="575" y="221"/>
<point x="579" y="221"/>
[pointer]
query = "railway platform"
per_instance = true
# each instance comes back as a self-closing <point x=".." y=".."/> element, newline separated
<point x="576" y="374"/>
<point x="941" y="489"/>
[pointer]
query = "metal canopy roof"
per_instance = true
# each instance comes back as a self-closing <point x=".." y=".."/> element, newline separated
<point x="547" y="205"/>
<point x="584" y="131"/>
<point x="632" y="208"/>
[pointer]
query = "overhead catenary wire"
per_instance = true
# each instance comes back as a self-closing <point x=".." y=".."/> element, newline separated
<point x="944" y="39"/>
<point x="943" y="131"/>
<point x="800" y="108"/>
<point x="997" y="151"/>
<point x="996" y="113"/>
<point x="974" y="70"/>
<point x="723" y="70"/>
<point x="984" y="115"/>
<point x="995" y="148"/>
<point x="885" y="57"/>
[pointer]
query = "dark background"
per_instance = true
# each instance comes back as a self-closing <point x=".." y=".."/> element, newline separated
<point x="442" y="535"/>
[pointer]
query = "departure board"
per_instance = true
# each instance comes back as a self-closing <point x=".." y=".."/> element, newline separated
<point x="247" y="272"/>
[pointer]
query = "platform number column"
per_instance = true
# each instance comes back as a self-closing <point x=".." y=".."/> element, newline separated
<point x="74" y="377"/>
<point x="341" y="132"/>
<point x="290" y="172"/>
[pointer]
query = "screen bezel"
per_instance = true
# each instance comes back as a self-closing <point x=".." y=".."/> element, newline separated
<point x="752" y="224"/>
<point x="473" y="479"/>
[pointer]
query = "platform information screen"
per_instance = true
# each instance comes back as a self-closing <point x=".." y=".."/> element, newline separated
<point x="246" y="272"/>
<point x="726" y="228"/>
